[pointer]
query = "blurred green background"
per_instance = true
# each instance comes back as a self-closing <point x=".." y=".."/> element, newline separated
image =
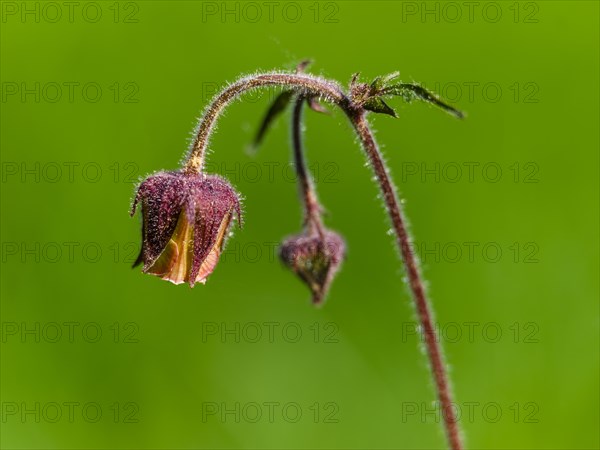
<point x="503" y="206"/>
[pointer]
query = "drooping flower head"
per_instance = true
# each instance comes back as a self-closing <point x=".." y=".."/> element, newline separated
<point x="186" y="218"/>
<point x="315" y="258"/>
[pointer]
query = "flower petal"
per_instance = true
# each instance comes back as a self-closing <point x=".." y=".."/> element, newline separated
<point x="210" y="261"/>
<point x="163" y="196"/>
<point x="174" y="262"/>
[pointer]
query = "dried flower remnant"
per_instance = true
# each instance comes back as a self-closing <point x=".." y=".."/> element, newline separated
<point x="316" y="254"/>
<point x="314" y="259"/>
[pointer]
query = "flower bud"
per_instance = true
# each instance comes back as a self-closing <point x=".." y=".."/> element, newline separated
<point x="186" y="219"/>
<point x="314" y="259"/>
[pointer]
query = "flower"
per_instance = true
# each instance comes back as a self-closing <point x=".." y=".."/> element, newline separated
<point x="186" y="218"/>
<point x="315" y="258"/>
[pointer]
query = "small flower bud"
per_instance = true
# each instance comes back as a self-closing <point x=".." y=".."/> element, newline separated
<point x="186" y="218"/>
<point x="316" y="260"/>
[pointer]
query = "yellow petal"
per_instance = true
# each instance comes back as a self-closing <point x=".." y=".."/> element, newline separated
<point x="175" y="261"/>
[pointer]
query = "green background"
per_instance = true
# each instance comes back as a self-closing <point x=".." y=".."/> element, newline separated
<point x="533" y="386"/>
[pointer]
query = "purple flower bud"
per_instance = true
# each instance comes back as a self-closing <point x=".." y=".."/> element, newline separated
<point x="186" y="218"/>
<point x="314" y="259"/>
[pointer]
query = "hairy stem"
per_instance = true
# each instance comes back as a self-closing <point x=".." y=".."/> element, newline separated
<point x="417" y="287"/>
<point x="307" y="85"/>
<point x="309" y="196"/>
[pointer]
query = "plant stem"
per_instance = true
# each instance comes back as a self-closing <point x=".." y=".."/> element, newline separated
<point x="304" y="83"/>
<point x="330" y="91"/>
<point x="417" y="288"/>
<point x="311" y="204"/>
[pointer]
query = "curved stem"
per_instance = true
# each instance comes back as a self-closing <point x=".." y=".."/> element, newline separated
<point x="417" y="287"/>
<point x="330" y="91"/>
<point x="305" y="83"/>
<point x="309" y="196"/>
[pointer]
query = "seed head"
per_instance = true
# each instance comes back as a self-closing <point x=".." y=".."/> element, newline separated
<point x="315" y="258"/>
